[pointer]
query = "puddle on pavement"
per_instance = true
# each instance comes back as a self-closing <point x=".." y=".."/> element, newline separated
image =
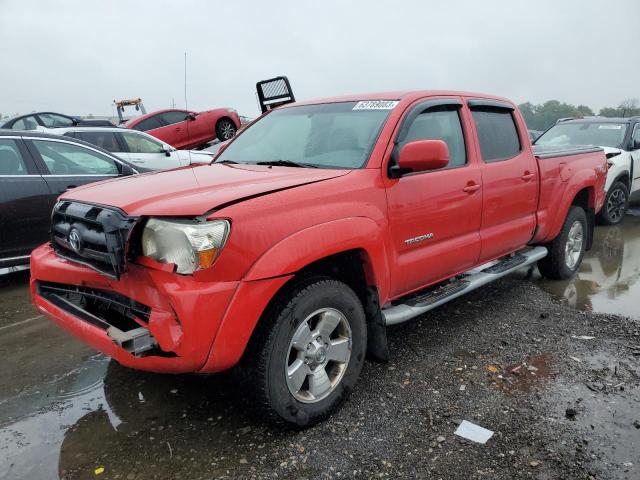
<point x="609" y="278"/>
<point x="604" y="411"/>
<point x="15" y="298"/>
<point x="103" y="414"/>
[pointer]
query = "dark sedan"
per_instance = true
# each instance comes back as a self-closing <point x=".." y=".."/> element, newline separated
<point x="44" y="120"/>
<point x="34" y="169"/>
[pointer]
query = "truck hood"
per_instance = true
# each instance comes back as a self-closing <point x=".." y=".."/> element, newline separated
<point x="196" y="189"/>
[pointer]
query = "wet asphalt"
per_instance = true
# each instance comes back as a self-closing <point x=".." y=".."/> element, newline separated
<point x="553" y="368"/>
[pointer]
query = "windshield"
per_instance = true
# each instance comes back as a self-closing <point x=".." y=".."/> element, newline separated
<point x="330" y="135"/>
<point x="585" y="133"/>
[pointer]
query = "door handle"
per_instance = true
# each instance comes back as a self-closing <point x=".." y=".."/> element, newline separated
<point x="471" y="187"/>
<point x="177" y="129"/>
<point x="528" y="176"/>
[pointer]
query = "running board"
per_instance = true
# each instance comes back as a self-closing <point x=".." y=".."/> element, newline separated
<point x="425" y="300"/>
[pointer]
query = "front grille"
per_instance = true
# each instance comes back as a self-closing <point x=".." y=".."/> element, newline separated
<point x="93" y="235"/>
<point x="98" y="307"/>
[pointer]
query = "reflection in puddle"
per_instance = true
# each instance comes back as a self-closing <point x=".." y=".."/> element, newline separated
<point x="33" y="423"/>
<point x="608" y="280"/>
<point x="103" y="414"/>
<point x="605" y="409"/>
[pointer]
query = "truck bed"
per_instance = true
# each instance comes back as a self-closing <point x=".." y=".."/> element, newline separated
<point x="547" y="151"/>
<point x="557" y="165"/>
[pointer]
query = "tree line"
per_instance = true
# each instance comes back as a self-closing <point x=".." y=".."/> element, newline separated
<point x="542" y="116"/>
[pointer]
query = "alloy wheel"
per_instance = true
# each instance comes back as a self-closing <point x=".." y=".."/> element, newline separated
<point x="616" y="205"/>
<point x="573" y="247"/>
<point x="318" y="355"/>
<point x="227" y="130"/>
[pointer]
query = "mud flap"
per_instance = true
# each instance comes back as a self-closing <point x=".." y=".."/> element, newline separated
<point x="377" y="347"/>
<point x="591" y="224"/>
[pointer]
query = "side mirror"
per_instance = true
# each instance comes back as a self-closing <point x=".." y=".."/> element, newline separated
<point x="423" y="155"/>
<point x="127" y="170"/>
<point x="635" y="144"/>
<point x="191" y="116"/>
<point x="167" y="150"/>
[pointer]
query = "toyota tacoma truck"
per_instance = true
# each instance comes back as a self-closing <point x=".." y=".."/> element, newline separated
<point x="314" y="229"/>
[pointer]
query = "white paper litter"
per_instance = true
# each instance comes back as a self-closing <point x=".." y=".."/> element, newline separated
<point x="473" y="432"/>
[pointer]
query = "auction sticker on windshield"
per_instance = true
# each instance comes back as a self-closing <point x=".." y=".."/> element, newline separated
<point x="375" y="105"/>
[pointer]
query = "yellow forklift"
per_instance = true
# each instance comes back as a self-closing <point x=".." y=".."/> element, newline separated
<point x="131" y="102"/>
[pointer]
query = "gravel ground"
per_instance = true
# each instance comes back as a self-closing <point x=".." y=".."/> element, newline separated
<point x="506" y="358"/>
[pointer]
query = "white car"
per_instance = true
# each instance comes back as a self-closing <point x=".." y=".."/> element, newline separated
<point x="620" y="139"/>
<point x="136" y="147"/>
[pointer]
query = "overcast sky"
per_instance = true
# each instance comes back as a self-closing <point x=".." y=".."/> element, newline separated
<point x="77" y="56"/>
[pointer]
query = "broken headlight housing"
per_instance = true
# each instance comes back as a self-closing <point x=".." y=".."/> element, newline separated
<point x="189" y="245"/>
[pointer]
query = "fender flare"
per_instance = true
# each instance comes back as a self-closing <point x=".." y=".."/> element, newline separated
<point x="579" y="181"/>
<point x="314" y="243"/>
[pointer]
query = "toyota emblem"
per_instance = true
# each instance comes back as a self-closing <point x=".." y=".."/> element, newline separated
<point x="74" y="240"/>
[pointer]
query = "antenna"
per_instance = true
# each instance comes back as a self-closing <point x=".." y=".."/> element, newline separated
<point x="185" y="82"/>
<point x="186" y="104"/>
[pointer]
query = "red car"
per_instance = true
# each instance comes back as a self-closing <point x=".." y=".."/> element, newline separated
<point x="185" y="129"/>
<point x="316" y="227"/>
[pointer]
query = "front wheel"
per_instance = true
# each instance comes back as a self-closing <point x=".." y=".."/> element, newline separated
<point x="225" y="129"/>
<point x="307" y="352"/>
<point x="615" y="205"/>
<point x="567" y="249"/>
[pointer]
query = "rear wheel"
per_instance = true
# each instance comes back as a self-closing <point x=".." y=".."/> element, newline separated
<point x="567" y="249"/>
<point x="307" y="353"/>
<point x="225" y="129"/>
<point x="615" y="205"/>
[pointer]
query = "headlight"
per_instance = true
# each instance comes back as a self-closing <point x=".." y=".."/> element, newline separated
<point x="189" y="245"/>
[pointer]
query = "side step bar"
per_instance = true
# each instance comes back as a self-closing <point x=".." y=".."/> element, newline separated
<point x="425" y="300"/>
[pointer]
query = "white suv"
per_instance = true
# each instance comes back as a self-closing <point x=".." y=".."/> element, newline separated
<point x="136" y="147"/>
<point x="620" y="139"/>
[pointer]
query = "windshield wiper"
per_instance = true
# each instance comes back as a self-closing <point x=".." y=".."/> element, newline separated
<point x="286" y="163"/>
<point x="225" y="161"/>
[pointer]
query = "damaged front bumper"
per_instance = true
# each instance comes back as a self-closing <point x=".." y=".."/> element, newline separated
<point x="147" y="319"/>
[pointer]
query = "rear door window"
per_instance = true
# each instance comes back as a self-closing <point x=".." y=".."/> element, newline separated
<point x="26" y="123"/>
<point x="139" y="143"/>
<point x="497" y="134"/>
<point x="173" y="117"/>
<point x="11" y="161"/>
<point x="51" y="120"/>
<point x="63" y="158"/>
<point x="149" y="124"/>
<point x="106" y="140"/>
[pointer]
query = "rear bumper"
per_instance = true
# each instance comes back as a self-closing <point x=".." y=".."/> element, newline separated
<point x="185" y="318"/>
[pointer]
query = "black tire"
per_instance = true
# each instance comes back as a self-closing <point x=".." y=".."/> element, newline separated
<point x="615" y="205"/>
<point x="225" y="129"/>
<point x="265" y="361"/>
<point x="555" y="265"/>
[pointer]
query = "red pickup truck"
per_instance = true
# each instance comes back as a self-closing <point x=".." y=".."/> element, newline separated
<point x="315" y="228"/>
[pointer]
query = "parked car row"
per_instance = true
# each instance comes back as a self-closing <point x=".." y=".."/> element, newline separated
<point x="181" y="129"/>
